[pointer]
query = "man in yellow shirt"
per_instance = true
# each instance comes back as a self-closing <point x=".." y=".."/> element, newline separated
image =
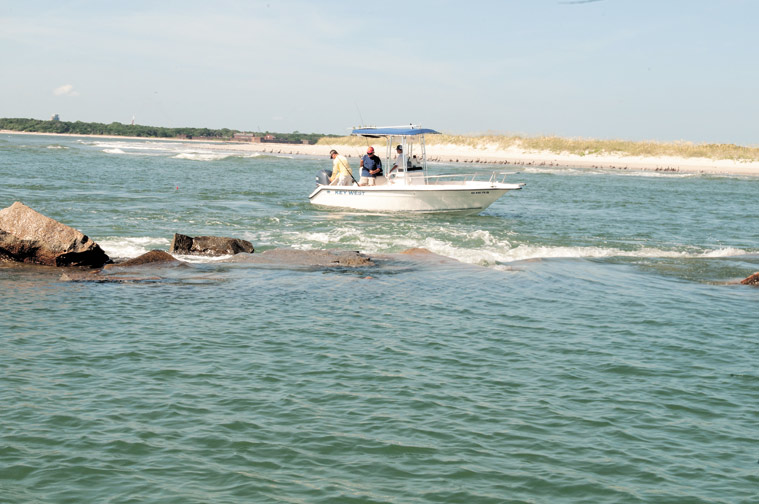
<point x="341" y="171"/>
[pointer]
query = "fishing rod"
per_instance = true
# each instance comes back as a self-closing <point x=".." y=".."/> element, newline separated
<point x="347" y="166"/>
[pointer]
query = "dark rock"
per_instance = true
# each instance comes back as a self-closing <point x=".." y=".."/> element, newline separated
<point x="209" y="245"/>
<point x="153" y="258"/>
<point x="751" y="280"/>
<point x="30" y="237"/>
<point x="181" y="244"/>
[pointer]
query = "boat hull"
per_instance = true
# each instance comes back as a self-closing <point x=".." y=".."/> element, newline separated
<point x="465" y="198"/>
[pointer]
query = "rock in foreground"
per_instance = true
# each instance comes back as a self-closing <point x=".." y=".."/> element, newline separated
<point x="209" y="245"/>
<point x="152" y="258"/>
<point x="116" y="271"/>
<point x="751" y="280"/>
<point x="28" y="236"/>
<point x="313" y="258"/>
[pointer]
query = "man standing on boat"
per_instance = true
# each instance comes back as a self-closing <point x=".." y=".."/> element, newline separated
<point x="400" y="161"/>
<point x="371" y="169"/>
<point x="341" y="171"/>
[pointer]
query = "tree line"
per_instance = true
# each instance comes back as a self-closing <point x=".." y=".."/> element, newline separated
<point x="138" y="130"/>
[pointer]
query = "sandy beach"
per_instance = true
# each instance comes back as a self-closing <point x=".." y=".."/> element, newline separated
<point x="450" y="153"/>
<point x="492" y="155"/>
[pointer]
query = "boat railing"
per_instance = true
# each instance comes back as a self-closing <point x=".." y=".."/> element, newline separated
<point x="494" y="177"/>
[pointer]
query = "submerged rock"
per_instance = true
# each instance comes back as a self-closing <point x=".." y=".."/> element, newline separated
<point x="98" y="277"/>
<point x="314" y="258"/>
<point x="417" y="251"/>
<point x="79" y="276"/>
<point x="153" y="258"/>
<point x="116" y="273"/>
<point x="751" y="280"/>
<point x="209" y="245"/>
<point x="30" y="237"/>
<point x="423" y="255"/>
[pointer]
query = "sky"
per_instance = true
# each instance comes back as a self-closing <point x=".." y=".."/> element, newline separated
<point x="665" y="70"/>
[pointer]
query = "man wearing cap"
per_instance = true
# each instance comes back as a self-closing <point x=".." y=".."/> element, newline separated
<point x="341" y="171"/>
<point x="371" y="169"/>
<point x="400" y="161"/>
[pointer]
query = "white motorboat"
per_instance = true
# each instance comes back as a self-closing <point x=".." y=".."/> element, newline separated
<point x="411" y="188"/>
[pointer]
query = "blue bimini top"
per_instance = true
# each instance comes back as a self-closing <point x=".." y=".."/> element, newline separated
<point x="393" y="131"/>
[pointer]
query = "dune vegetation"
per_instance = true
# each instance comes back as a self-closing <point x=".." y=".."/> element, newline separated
<point x="583" y="146"/>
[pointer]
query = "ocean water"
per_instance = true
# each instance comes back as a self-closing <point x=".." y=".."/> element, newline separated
<point x="587" y="341"/>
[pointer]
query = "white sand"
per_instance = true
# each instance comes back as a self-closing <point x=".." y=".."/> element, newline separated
<point x="514" y="156"/>
<point x="488" y="155"/>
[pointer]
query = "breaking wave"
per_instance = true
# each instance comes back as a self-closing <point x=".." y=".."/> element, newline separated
<point x="176" y="150"/>
<point x="119" y="247"/>
<point x="482" y="248"/>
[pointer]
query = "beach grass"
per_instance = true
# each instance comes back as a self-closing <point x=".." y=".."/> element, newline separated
<point x="581" y="146"/>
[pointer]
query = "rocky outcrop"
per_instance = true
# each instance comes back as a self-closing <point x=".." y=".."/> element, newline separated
<point x="209" y="245"/>
<point x="30" y="237"/>
<point x="751" y="280"/>
<point x="313" y="258"/>
<point x="152" y="258"/>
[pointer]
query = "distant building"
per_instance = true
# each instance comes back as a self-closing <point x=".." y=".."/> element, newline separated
<point x="55" y="117"/>
<point x="246" y="137"/>
<point x="253" y="138"/>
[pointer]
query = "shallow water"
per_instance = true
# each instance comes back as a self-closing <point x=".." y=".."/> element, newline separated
<point x="590" y="346"/>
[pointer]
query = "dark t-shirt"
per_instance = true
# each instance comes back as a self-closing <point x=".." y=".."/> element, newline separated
<point x="371" y="162"/>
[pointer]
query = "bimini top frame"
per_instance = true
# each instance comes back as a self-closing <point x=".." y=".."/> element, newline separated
<point x="407" y="134"/>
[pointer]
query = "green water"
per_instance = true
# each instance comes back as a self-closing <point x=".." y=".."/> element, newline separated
<point x="590" y="344"/>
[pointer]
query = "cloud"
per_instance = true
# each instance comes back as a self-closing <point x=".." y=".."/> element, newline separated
<point x="65" y="90"/>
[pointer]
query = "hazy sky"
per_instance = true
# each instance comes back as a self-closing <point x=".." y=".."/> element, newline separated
<point x="628" y="69"/>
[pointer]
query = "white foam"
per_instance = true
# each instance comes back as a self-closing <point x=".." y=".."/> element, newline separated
<point x="120" y="144"/>
<point x="480" y="247"/>
<point x="119" y="247"/>
<point x="524" y="252"/>
<point x="197" y="259"/>
<point x="176" y="150"/>
<point x="128" y="248"/>
<point x="725" y="252"/>
<point x="202" y="156"/>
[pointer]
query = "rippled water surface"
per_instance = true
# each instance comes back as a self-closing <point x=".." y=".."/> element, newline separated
<point x="589" y="343"/>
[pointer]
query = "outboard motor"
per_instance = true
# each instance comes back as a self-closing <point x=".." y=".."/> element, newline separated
<point x="322" y="177"/>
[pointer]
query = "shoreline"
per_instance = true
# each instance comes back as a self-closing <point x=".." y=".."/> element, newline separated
<point x="491" y="155"/>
